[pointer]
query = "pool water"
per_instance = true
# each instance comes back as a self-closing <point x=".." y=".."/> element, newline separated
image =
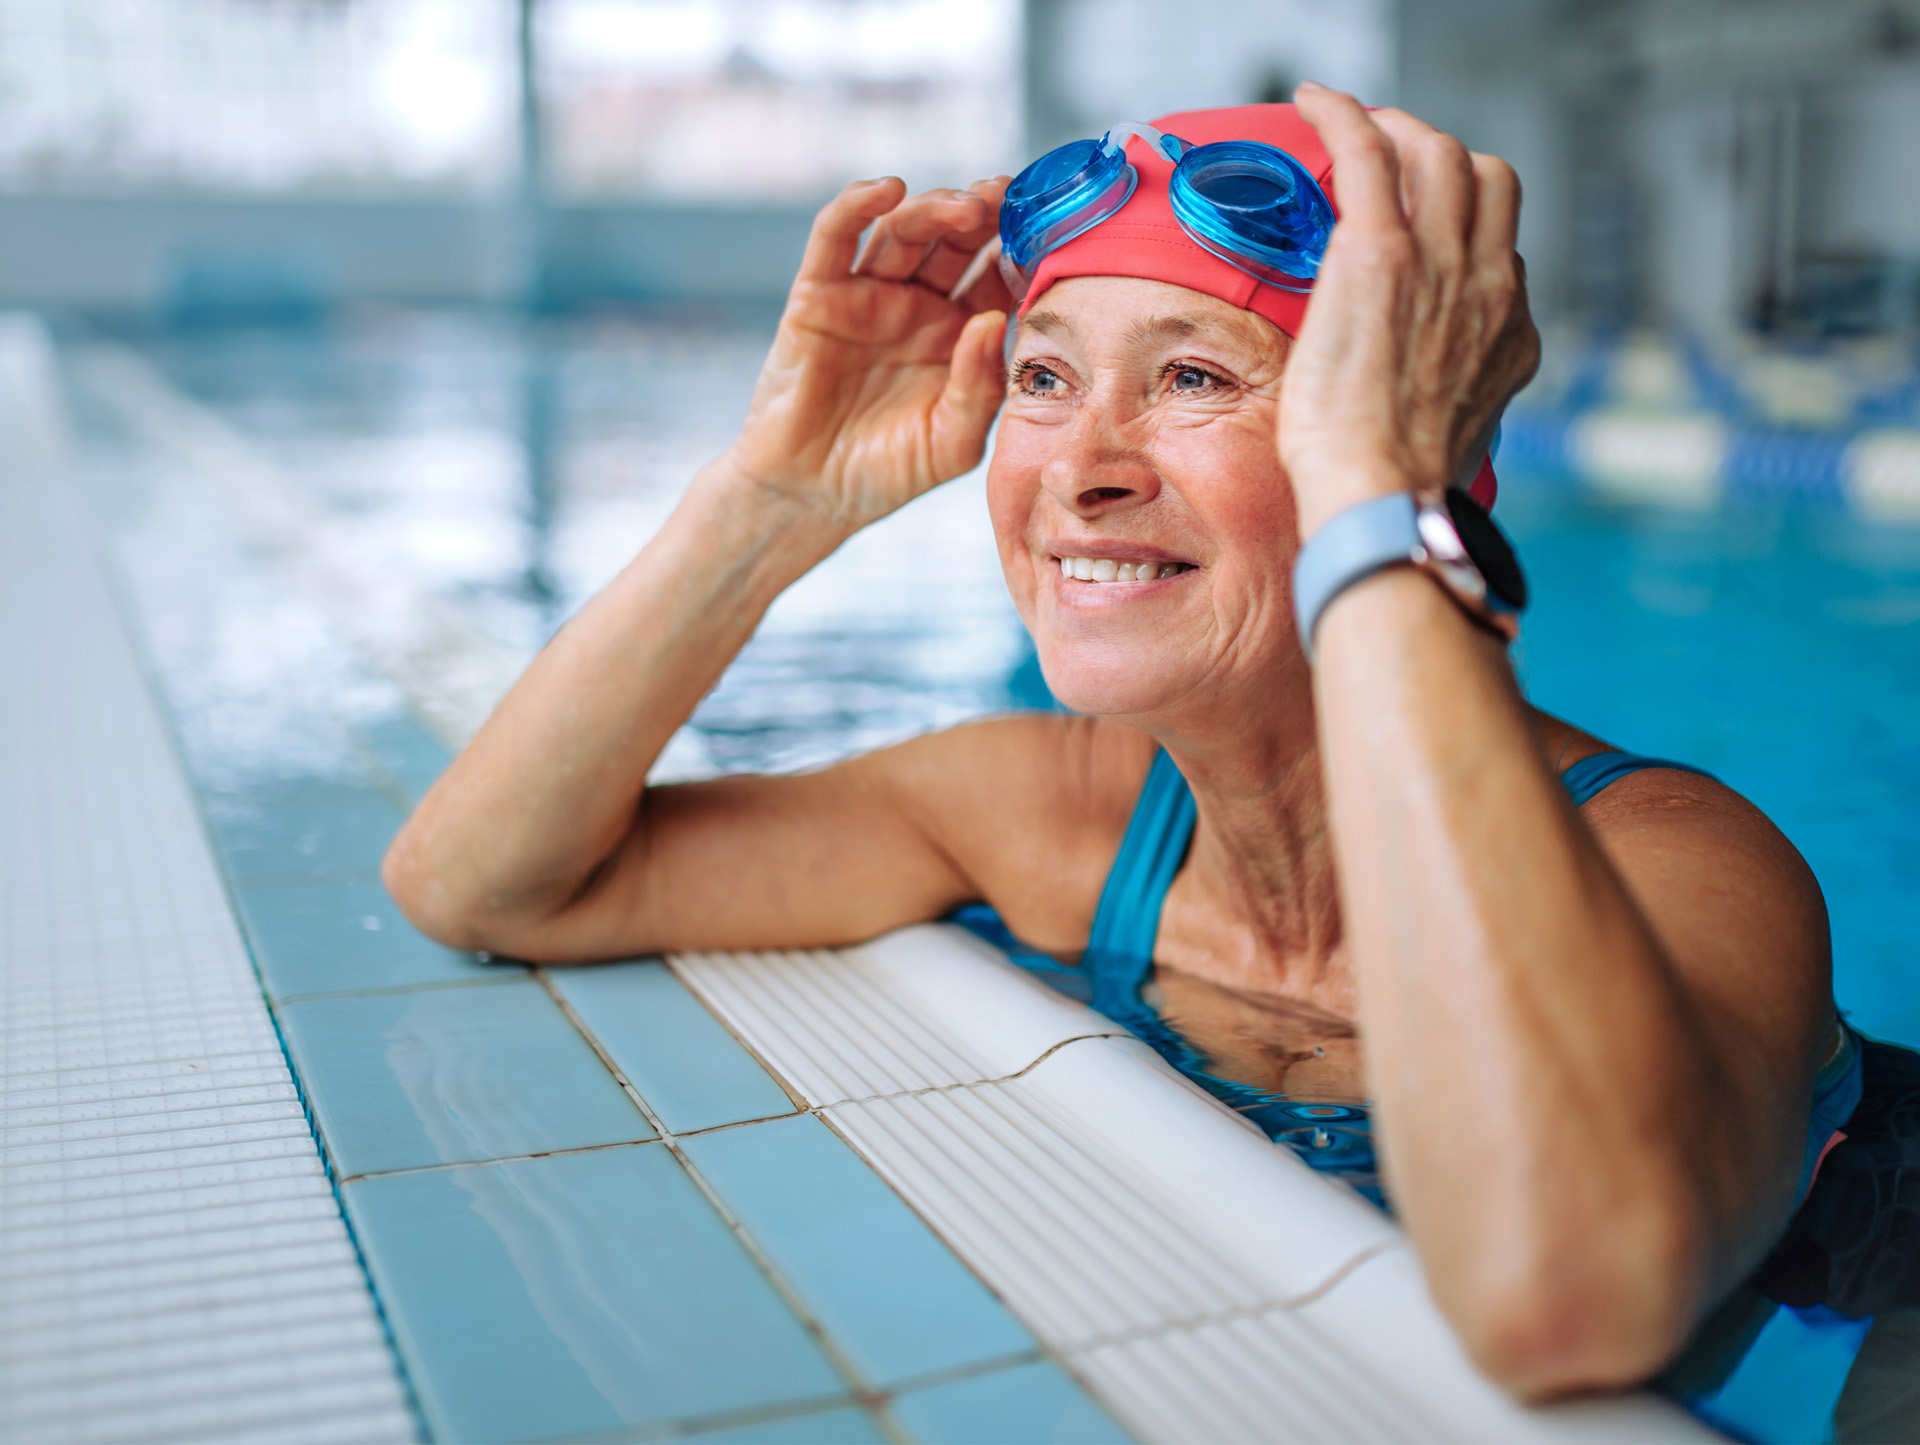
<point x="1777" y="647"/>
<point x="501" y="476"/>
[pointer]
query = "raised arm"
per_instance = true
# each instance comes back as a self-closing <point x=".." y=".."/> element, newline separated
<point x="542" y="839"/>
<point x="1591" y="1034"/>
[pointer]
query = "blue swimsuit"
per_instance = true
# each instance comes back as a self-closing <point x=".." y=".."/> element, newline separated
<point x="1333" y="1138"/>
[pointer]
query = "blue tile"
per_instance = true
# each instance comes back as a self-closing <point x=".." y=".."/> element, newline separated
<point x="691" y="1071"/>
<point x="834" y="1427"/>
<point x="581" y="1292"/>
<point x="449" y="1075"/>
<point x="888" y="1291"/>
<point x="411" y="755"/>
<point x="332" y="937"/>
<point x="318" y="830"/>
<point x="1028" y="1404"/>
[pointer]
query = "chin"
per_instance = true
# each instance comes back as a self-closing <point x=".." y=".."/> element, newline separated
<point x="1107" y="680"/>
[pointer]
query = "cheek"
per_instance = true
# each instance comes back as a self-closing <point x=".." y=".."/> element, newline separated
<point x="1230" y="476"/>
<point x="1013" y="485"/>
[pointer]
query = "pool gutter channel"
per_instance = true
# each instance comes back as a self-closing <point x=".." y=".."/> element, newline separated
<point x="159" y="888"/>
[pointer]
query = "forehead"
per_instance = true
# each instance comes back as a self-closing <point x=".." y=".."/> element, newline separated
<point x="1126" y="314"/>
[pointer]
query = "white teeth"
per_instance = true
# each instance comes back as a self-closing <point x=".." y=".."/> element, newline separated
<point x="1105" y="569"/>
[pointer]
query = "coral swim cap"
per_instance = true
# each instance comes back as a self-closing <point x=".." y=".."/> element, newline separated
<point x="1143" y="239"/>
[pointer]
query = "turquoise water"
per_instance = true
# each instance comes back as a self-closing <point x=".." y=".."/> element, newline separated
<point x="497" y="480"/>
<point x="1778" y="647"/>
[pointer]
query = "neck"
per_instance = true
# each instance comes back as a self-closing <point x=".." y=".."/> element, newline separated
<point x="1262" y="858"/>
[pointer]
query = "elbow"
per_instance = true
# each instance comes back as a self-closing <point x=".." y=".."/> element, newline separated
<point x="1603" y="1316"/>
<point x="425" y="898"/>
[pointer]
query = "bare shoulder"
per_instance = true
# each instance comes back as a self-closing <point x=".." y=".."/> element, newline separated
<point x="1727" y="893"/>
<point x="1030" y="808"/>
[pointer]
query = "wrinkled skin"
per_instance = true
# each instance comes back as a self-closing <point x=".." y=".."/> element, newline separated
<point x="1387" y="894"/>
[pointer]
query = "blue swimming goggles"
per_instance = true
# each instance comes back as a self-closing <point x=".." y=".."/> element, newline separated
<point x="1252" y="205"/>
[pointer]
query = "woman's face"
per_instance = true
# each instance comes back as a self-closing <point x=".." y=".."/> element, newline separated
<point x="1139" y="429"/>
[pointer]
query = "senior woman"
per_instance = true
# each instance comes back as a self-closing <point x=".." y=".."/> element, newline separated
<point x="1590" y="1031"/>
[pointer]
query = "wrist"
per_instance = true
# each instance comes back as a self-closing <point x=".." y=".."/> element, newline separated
<point x="766" y="537"/>
<point x="1445" y="534"/>
<point x="1324" y="490"/>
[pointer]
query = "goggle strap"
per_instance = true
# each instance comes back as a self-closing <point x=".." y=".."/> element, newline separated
<point x="982" y="260"/>
<point x="1016" y="282"/>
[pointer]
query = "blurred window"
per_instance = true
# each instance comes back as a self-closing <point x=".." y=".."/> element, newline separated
<point x="257" y="95"/>
<point x="774" y="99"/>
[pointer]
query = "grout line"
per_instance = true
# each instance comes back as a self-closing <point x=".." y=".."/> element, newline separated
<point x="1372" y="1251"/>
<point x="961" y="1085"/>
<point x="442" y="1166"/>
<point x="863" y="1393"/>
<point x="799" y="1102"/>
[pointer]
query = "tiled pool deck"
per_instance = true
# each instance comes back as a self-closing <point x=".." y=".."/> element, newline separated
<point x="585" y="1206"/>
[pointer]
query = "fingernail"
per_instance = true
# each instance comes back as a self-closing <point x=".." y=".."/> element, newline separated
<point x="1308" y="85"/>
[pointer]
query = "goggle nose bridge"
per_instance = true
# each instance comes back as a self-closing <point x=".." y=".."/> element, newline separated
<point x="1170" y="146"/>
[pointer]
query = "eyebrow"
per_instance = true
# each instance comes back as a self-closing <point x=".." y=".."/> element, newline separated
<point x="1151" y="331"/>
<point x="1050" y="323"/>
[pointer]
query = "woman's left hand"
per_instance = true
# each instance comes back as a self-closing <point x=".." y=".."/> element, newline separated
<point x="1419" y="331"/>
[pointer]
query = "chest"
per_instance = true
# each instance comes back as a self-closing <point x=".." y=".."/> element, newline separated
<point x="1279" y="1018"/>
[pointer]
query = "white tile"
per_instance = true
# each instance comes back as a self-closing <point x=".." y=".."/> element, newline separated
<point x="173" y="1264"/>
<point x="926" y="1007"/>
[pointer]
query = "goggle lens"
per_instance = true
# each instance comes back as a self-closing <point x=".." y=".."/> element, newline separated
<point x="1252" y="205"/>
<point x="1255" y="207"/>
<point x="1065" y="192"/>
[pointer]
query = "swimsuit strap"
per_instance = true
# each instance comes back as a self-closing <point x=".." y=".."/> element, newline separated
<point x="1119" y="957"/>
<point x="1590" y="775"/>
<point x="1119" y="954"/>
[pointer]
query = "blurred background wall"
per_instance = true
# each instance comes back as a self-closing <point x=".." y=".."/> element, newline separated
<point x="1717" y="164"/>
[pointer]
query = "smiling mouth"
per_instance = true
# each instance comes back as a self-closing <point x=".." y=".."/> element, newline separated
<point x="1105" y="569"/>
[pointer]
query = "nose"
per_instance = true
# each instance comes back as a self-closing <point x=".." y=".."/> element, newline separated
<point x="1096" y="468"/>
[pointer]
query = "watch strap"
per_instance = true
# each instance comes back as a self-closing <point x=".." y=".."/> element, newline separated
<point x="1350" y="547"/>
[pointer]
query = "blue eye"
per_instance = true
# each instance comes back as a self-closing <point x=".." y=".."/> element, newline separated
<point x="1192" y="378"/>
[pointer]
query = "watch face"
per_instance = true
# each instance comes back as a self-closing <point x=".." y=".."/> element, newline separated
<point x="1488" y="549"/>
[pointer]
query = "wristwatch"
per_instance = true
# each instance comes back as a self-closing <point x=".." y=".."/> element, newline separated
<point x="1446" y="534"/>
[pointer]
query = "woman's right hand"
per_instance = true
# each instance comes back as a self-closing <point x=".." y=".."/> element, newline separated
<point x="878" y="386"/>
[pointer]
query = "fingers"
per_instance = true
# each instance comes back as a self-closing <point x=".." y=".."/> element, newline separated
<point x="1366" y="167"/>
<point x="1437" y="185"/>
<point x="834" y="240"/>
<point x="903" y="241"/>
<point x="976" y="385"/>
<point x="1496" y="217"/>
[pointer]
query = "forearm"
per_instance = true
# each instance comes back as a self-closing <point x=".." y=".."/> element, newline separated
<point x="1547" y="1096"/>
<point x="550" y="785"/>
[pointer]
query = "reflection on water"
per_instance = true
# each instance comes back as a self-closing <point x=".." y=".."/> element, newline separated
<point x="397" y="514"/>
<point x="499" y="478"/>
